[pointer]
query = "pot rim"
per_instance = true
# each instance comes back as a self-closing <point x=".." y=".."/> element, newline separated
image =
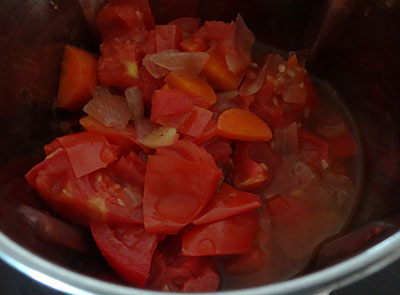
<point x="68" y="281"/>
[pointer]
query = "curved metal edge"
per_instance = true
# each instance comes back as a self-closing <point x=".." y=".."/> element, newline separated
<point x="71" y="282"/>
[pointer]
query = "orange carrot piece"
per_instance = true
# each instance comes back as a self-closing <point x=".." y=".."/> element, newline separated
<point x="192" y="84"/>
<point x="78" y="78"/>
<point x="218" y="73"/>
<point x="191" y="45"/>
<point x="242" y="125"/>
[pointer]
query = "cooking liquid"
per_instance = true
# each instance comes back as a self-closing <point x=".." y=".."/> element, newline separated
<point x="319" y="206"/>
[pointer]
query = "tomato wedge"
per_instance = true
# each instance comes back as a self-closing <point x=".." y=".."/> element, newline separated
<point x="168" y="37"/>
<point x="127" y="248"/>
<point x="219" y="148"/>
<point x="96" y="196"/>
<point x="170" y="102"/>
<point x="175" y="192"/>
<point x="227" y="202"/>
<point x="231" y="235"/>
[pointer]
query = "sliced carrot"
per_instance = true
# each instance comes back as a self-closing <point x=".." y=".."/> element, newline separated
<point x="218" y="73"/>
<point x="242" y="125"/>
<point x="192" y="84"/>
<point x="78" y="77"/>
<point x="194" y="45"/>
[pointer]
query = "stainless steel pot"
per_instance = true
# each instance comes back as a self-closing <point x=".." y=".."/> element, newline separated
<point x="353" y="45"/>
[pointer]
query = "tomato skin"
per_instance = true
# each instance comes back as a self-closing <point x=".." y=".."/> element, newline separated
<point x="87" y="152"/>
<point x="175" y="192"/>
<point x="130" y="169"/>
<point x="232" y="235"/>
<point x="248" y="175"/>
<point x="168" y="37"/>
<point x="227" y="202"/>
<point x="128" y="249"/>
<point x="189" y="151"/>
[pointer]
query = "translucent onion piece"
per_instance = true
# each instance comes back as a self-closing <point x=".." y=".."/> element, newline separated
<point x="100" y="91"/>
<point x="155" y="70"/>
<point x="251" y="86"/>
<point x="332" y="127"/>
<point x="240" y="57"/>
<point x="183" y="62"/>
<point x="134" y="98"/>
<point x="227" y="95"/>
<point x="162" y="136"/>
<point x="111" y="110"/>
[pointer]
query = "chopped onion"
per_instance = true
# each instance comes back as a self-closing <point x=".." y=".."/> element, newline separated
<point x="299" y="172"/>
<point x="111" y="110"/>
<point x="253" y="85"/>
<point x="134" y="98"/>
<point x="172" y="60"/>
<point x="132" y="197"/>
<point x="162" y="136"/>
<point x="155" y="70"/>
<point x="239" y="58"/>
<point x="144" y="127"/>
<point x="286" y="139"/>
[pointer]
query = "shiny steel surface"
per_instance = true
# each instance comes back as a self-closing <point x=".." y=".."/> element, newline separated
<point x="354" y="45"/>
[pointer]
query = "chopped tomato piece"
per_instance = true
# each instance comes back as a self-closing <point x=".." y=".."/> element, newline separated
<point x="242" y="125"/>
<point x="191" y="84"/>
<point x="78" y="78"/>
<point x="174" y="272"/>
<point x="193" y="123"/>
<point x="144" y="8"/>
<point x="125" y="139"/>
<point x="248" y="175"/>
<point x="277" y="206"/>
<point x="127" y="248"/>
<point x="87" y="152"/>
<point x="148" y="84"/>
<point x="120" y="19"/>
<point x="119" y="64"/>
<point x="209" y="132"/>
<point x="95" y="196"/>
<point x="168" y="37"/>
<point x="175" y="192"/>
<point x="218" y="74"/>
<point x="231" y="235"/>
<point x="227" y="202"/>
<point x="130" y="169"/>
<point x="219" y="148"/>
